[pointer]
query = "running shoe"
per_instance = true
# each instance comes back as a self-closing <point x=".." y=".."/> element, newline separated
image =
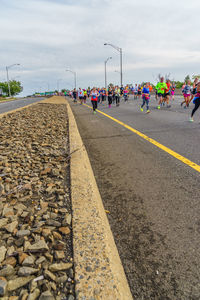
<point x="94" y="112"/>
<point x="158" y="107"/>
<point x="191" y="120"/>
<point x="141" y="109"/>
<point x="148" y="111"/>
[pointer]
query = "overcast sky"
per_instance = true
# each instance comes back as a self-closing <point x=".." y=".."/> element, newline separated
<point x="48" y="36"/>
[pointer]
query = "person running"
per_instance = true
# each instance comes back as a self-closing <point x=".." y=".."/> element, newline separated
<point x="187" y="94"/>
<point x="74" y="94"/>
<point x="196" y="102"/>
<point x="113" y="95"/>
<point x="145" y="98"/>
<point x="110" y="97"/>
<point x="172" y="92"/>
<point x="117" y="95"/>
<point x="88" y="92"/>
<point x="125" y="93"/>
<point x="121" y="90"/>
<point x="194" y="88"/>
<point x="135" y="91"/>
<point x="94" y="99"/>
<point x="84" y="96"/>
<point x="139" y="91"/>
<point x="103" y="95"/>
<point x="80" y="95"/>
<point x="167" y="93"/>
<point x="161" y="87"/>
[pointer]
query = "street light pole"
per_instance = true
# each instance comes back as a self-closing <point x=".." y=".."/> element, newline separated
<point x="120" y="52"/>
<point x="58" y="84"/>
<point x="105" y="62"/>
<point x="74" y="77"/>
<point x="9" y="93"/>
<point x="7" y="67"/>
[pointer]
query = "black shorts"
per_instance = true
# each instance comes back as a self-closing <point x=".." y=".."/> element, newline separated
<point x="166" y="94"/>
<point x="139" y="93"/>
<point x="160" y="95"/>
<point x="194" y="91"/>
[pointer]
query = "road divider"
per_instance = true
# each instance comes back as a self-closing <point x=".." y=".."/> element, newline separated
<point x="178" y="156"/>
<point x="99" y="273"/>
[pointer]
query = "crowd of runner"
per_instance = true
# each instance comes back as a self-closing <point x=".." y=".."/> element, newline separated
<point x="164" y="94"/>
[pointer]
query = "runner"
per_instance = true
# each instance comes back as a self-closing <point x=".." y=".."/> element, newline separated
<point x="94" y="99"/>
<point x="135" y="91"/>
<point x="196" y="102"/>
<point x="74" y="93"/>
<point x="145" y="97"/>
<point x="194" y="88"/>
<point x="125" y="93"/>
<point x="103" y="95"/>
<point x="161" y="87"/>
<point x="172" y="92"/>
<point x="80" y="95"/>
<point x="84" y="96"/>
<point x="121" y="90"/>
<point x="88" y="92"/>
<point x="187" y="94"/>
<point x="110" y="97"/>
<point x="139" y="91"/>
<point x="113" y="95"/>
<point x="167" y="93"/>
<point x="117" y="95"/>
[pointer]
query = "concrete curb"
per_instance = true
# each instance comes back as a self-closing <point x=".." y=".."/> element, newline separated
<point x="99" y="273"/>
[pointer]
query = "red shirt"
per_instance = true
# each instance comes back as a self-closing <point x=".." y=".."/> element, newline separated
<point x="168" y="86"/>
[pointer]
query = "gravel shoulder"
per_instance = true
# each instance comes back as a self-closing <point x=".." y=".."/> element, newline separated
<point x="36" y="254"/>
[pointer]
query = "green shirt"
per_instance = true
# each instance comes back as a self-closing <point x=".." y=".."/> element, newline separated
<point x="161" y="87"/>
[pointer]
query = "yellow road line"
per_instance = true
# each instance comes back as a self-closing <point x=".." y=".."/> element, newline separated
<point x="152" y="141"/>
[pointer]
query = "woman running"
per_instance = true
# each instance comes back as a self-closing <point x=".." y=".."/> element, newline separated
<point x="196" y="102"/>
<point x="172" y="92"/>
<point x="94" y="99"/>
<point x="117" y="95"/>
<point x="84" y="96"/>
<point x="145" y="97"/>
<point x="187" y="94"/>
<point x="110" y="97"/>
<point x="194" y="89"/>
<point x="139" y="91"/>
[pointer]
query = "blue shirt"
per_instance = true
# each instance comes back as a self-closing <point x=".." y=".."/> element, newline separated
<point x="145" y="90"/>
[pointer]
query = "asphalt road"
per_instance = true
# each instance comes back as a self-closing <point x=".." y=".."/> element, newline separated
<point x="152" y="197"/>
<point x="11" y="105"/>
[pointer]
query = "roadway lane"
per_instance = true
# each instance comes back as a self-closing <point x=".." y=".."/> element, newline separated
<point x="11" y="105"/>
<point x="153" y="198"/>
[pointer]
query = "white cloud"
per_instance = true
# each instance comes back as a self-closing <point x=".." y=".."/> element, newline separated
<point x="47" y="36"/>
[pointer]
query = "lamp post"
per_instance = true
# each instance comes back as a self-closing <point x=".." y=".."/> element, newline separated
<point x="58" y="84"/>
<point x="120" y="52"/>
<point x="105" y="62"/>
<point x="8" y="67"/>
<point x="74" y="77"/>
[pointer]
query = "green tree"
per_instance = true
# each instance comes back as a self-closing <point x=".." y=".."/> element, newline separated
<point x="15" y="87"/>
<point x="178" y="84"/>
<point x="187" y="78"/>
<point x="195" y="76"/>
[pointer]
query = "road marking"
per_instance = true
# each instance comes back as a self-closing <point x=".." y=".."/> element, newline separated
<point x="152" y="141"/>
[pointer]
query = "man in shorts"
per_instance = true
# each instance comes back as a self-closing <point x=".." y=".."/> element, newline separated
<point x="161" y="87"/>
